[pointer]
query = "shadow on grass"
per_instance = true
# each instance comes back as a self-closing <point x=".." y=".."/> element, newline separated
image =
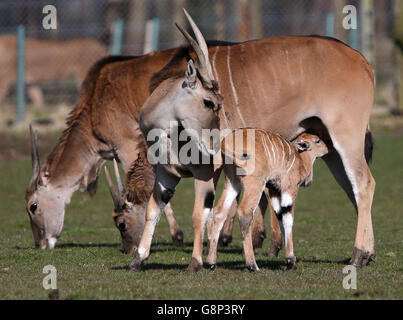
<point x="88" y="245"/>
<point x="229" y="265"/>
<point x="327" y="261"/>
<point x="156" y="266"/>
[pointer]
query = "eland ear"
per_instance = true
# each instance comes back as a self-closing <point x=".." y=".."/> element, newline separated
<point x="116" y="214"/>
<point x="190" y="75"/>
<point x="303" y="146"/>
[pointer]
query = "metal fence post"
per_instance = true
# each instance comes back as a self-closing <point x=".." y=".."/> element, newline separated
<point x="330" y="24"/>
<point x="353" y="38"/>
<point x="151" y="35"/>
<point x="20" y="73"/>
<point x="116" y="47"/>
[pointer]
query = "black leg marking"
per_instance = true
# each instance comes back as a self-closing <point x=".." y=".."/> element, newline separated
<point x="166" y="195"/>
<point x="209" y="200"/>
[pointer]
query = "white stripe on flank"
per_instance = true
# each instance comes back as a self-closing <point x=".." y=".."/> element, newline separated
<point x="274" y="153"/>
<point x="218" y="81"/>
<point x="293" y="160"/>
<point x="282" y="148"/>
<point x="232" y="85"/>
<point x="265" y="146"/>
<point x="275" y="204"/>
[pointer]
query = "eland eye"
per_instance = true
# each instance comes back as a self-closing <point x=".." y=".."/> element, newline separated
<point x="208" y="103"/>
<point x="122" y="226"/>
<point x="33" y="207"/>
<point x="317" y="141"/>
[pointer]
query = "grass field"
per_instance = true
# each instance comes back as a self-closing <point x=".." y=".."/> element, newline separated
<point x="90" y="265"/>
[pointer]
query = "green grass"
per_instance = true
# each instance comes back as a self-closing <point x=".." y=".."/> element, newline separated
<point x="90" y="265"/>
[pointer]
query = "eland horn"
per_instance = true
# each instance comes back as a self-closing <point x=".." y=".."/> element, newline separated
<point x="35" y="159"/>
<point x="201" y="50"/>
<point x="118" y="179"/>
<point x="115" y="196"/>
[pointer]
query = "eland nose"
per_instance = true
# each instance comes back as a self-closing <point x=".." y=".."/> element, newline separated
<point x="51" y="242"/>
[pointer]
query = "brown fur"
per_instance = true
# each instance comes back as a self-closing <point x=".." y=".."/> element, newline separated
<point x="140" y="180"/>
<point x="274" y="163"/>
<point x="275" y="84"/>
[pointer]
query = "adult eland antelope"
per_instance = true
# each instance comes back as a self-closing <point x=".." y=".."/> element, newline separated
<point x="288" y="85"/>
<point x="182" y="106"/>
<point x="284" y="84"/>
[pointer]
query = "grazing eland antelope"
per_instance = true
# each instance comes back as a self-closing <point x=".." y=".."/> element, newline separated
<point x="272" y="163"/>
<point x="284" y="84"/>
<point x="130" y="202"/>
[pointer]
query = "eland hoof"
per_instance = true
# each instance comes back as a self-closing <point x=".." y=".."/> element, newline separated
<point x="291" y="263"/>
<point x="361" y="258"/>
<point x="194" y="265"/>
<point x="211" y="267"/>
<point x="253" y="268"/>
<point x="137" y="263"/>
<point x="177" y="239"/>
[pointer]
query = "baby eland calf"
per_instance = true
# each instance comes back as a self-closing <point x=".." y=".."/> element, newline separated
<point x="259" y="161"/>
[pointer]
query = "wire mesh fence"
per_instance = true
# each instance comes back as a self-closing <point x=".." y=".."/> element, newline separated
<point x="58" y="59"/>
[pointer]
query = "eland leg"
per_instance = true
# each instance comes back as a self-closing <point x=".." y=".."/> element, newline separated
<point x="202" y="210"/>
<point x="165" y="185"/>
<point x="127" y="153"/>
<point x="258" y="228"/>
<point x="347" y="162"/>
<point x="252" y="194"/>
<point x="224" y="206"/>
<point x="176" y="232"/>
<point x="226" y="234"/>
<point x="283" y="205"/>
<point x="276" y="236"/>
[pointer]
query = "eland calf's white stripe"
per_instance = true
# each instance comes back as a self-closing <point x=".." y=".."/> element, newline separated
<point x="272" y="149"/>
<point x="275" y="203"/>
<point x="265" y="147"/>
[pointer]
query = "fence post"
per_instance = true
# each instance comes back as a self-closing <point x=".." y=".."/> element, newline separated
<point x="330" y="24"/>
<point x="151" y="35"/>
<point x="116" y="47"/>
<point x="353" y="38"/>
<point x="20" y="73"/>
